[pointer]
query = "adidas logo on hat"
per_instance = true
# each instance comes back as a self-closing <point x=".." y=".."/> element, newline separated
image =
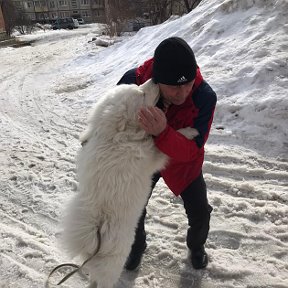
<point x="182" y="79"/>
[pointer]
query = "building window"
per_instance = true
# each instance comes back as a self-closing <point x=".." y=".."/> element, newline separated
<point x="28" y="4"/>
<point x="84" y="2"/>
<point x="64" y="14"/>
<point x="62" y="3"/>
<point x="85" y="13"/>
<point x="99" y="2"/>
<point x="36" y="3"/>
<point x="17" y="4"/>
<point x="52" y="4"/>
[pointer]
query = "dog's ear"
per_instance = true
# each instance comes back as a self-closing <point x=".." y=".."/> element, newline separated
<point x="85" y="136"/>
<point x="150" y="88"/>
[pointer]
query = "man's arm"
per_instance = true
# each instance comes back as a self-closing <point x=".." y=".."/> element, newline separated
<point x="205" y="100"/>
<point x="129" y="77"/>
<point x="177" y="146"/>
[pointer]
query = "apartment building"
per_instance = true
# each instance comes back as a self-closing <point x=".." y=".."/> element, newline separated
<point x="2" y="23"/>
<point x="49" y="10"/>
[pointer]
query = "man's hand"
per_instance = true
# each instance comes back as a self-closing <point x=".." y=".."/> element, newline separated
<point x="152" y="120"/>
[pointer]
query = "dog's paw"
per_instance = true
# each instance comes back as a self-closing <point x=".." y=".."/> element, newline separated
<point x="189" y="132"/>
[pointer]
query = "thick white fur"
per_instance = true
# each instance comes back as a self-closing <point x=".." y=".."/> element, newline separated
<point x="115" y="166"/>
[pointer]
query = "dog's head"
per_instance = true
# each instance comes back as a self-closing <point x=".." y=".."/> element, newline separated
<point x="117" y="111"/>
<point x="151" y="93"/>
<point x="136" y="97"/>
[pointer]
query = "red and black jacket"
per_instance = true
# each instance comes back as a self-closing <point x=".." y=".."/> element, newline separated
<point x="186" y="156"/>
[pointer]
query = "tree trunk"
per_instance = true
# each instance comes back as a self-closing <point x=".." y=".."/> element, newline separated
<point x="192" y="6"/>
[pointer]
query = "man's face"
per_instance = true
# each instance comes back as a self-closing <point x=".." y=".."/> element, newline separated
<point x="176" y="94"/>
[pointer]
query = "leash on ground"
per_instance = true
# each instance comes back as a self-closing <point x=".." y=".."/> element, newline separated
<point x="77" y="267"/>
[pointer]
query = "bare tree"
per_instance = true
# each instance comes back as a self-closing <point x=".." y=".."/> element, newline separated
<point x="119" y="11"/>
<point x="10" y="14"/>
<point x="23" y="24"/>
<point x="191" y="4"/>
<point x="117" y="14"/>
<point x="15" y="18"/>
<point x="159" y="10"/>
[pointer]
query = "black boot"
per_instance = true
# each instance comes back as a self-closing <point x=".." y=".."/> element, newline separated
<point x="134" y="258"/>
<point x="138" y="246"/>
<point x="199" y="258"/>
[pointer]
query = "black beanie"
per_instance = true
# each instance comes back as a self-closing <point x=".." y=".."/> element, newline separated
<point x="174" y="62"/>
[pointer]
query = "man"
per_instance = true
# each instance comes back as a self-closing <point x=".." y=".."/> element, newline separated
<point x="186" y="101"/>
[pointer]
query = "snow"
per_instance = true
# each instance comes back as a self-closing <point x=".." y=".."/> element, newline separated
<point x="46" y="92"/>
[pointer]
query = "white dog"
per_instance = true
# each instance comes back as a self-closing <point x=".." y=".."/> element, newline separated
<point x="115" y="166"/>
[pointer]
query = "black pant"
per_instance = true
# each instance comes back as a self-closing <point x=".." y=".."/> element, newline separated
<point x="198" y="213"/>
